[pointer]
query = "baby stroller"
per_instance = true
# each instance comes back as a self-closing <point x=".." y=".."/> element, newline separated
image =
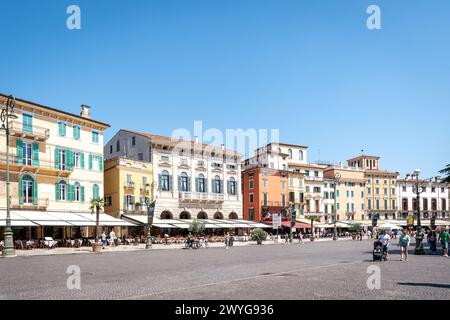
<point x="378" y="253"/>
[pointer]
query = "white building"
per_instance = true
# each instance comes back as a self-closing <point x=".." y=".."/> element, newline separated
<point x="194" y="180"/>
<point x="434" y="201"/>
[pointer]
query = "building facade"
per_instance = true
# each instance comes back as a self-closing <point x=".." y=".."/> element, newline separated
<point x="434" y="201"/>
<point x="56" y="160"/>
<point x="381" y="187"/>
<point x="193" y="180"/>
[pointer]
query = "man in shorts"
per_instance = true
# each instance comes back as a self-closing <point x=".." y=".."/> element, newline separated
<point x="403" y="243"/>
<point x="443" y="237"/>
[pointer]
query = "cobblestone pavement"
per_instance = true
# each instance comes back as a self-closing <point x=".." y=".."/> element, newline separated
<point x="322" y="270"/>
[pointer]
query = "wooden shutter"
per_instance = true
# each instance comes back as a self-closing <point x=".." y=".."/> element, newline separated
<point x="82" y="159"/>
<point x="82" y="194"/>
<point x="19" y="151"/>
<point x="71" y="193"/>
<point x="57" y="193"/>
<point x="20" y="191"/>
<point x="100" y="163"/>
<point x="36" y="154"/>
<point x="57" y="158"/>
<point x="35" y="192"/>
<point x="90" y="161"/>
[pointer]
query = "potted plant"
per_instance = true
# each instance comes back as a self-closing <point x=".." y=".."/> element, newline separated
<point x="138" y="205"/>
<point x="355" y="229"/>
<point x="258" y="235"/>
<point x="97" y="205"/>
<point x="197" y="227"/>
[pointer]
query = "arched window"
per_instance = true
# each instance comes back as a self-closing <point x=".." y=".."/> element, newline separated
<point x="95" y="191"/>
<point x="61" y="190"/>
<point x="164" y="181"/>
<point x="290" y="153"/>
<point x="300" y="155"/>
<point x="218" y="215"/>
<point x="28" y="190"/>
<point x="202" y="215"/>
<point x="185" y="215"/>
<point x="166" y="215"/>
<point x="217" y="185"/>
<point x="232" y="186"/>
<point x="183" y="182"/>
<point x="78" y="192"/>
<point x="201" y="183"/>
<point x="233" y="216"/>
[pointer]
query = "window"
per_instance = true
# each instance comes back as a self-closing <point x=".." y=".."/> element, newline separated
<point x="95" y="136"/>
<point x="316" y="190"/>
<point x="300" y="155"/>
<point x="352" y="194"/>
<point x="184" y="182"/>
<point x="385" y="205"/>
<point x="165" y="158"/>
<point x="347" y="192"/>
<point x="291" y="182"/>
<point x="283" y="200"/>
<point x="77" y="160"/>
<point x="95" y="191"/>
<point x="290" y="154"/>
<point x="265" y="183"/>
<point x="404" y="188"/>
<point x="362" y="207"/>
<point x="307" y="173"/>
<point x="164" y="182"/>
<point x="300" y="182"/>
<point x="393" y="204"/>
<point x="369" y="204"/>
<point x="442" y="190"/>
<point x="316" y="173"/>
<point x="265" y="199"/>
<point x="250" y="184"/>
<point x="140" y="156"/>
<point x="337" y="193"/>
<point x="307" y="189"/>
<point x="377" y="181"/>
<point x="27" y="154"/>
<point x="377" y="191"/>
<point x="95" y="162"/>
<point x="62" y="129"/>
<point x="62" y="159"/>
<point x="217" y="185"/>
<point x="385" y="191"/>
<point x="62" y="191"/>
<point x="385" y="181"/>
<point x="77" y="192"/>
<point x="117" y="145"/>
<point x="133" y="141"/>
<point x="369" y="191"/>
<point x="232" y="186"/>
<point x="378" y="204"/>
<point x="27" y="122"/>
<point x="76" y="132"/>
<point x="433" y="189"/>
<point x="108" y="201"/>
<point x="201" y="183"/>
<point x="251" y="214"/>
<point x="110" y="149"/>
<point x="28" y="193"/>
<point x="250" y="199"/>
<point x="362" y="194"/>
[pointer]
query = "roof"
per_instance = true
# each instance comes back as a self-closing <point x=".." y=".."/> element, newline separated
<point x="58" y="110"/>
<point x="381" y="172"/>
<point x="282" y="144"/>
<point x="364" y="156"/>
<point x="174" y="142"/>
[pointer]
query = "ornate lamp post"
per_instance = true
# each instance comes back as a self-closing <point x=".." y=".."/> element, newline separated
<point x="6" y="115"/>
<point x="418" y="189"/>
<point x="150" y="214"/>
<point x="336" y="179"/>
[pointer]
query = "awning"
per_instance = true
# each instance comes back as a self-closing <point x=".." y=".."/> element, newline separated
<point x="106" y="220"/>
<point x="43" y="219"/>
<point x="259" y="225"/>
<point x="73" y="218"/>
<point x="16" y="220"/>
<point x="297" y="225"/>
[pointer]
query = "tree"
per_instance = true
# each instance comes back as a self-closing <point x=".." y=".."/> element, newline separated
<point x="446" y="171"/>
<point x="97" y="205"/>
<point x="197" y="226"/>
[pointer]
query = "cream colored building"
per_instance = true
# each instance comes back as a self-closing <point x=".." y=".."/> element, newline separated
<point x="56" y="163"/>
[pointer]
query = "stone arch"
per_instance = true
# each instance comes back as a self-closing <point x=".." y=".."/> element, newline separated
<point x="166" y="215"/>
<point x="185" y="215"/>
<point x="202" y="215"/>
<point x="218" y="215"/>
<point x="233" y="215"/>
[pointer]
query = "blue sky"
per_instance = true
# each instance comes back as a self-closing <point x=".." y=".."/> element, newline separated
<point x="309" y="68"/>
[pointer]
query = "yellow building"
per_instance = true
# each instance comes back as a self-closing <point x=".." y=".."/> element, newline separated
<point x="127" y="186"/>
<point x="381" y="185"/>
<point x="350" y="192"/>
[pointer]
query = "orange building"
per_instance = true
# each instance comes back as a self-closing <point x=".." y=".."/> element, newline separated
<point x="264" y="191"/>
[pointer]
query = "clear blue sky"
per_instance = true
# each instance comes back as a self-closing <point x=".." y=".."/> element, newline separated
<point x="310" y="68"/>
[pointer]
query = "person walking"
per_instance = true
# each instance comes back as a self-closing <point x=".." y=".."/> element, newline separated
<point x="227" y="240"/>
<point x="432" y="239"/>
<point x="403" y="243"/>
<point x="300" y="238"/>
<point x="103" y="239"/>
<point x="385" y="239"/>
<point x="369" y="234"/>
<point x="443" y="238"/>
<point x="112" y="237"/>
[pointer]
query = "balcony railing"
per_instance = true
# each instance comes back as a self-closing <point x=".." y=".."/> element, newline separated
<point x="33" y="132"/>
<point x="42" y="204"/>
<point x="201" y="197"/>
<point x="279" y="204"/>
<point x="37" y="166"/>
<point x="129" y="185"/>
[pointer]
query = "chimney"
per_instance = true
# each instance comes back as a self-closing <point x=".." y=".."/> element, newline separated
<point x="85" y="111"/>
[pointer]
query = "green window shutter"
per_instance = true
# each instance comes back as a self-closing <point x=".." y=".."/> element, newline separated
<point x="57" y="158"/>
<point x="57" y="194"/>
<point x="60" y="128"/>
<point x="95" y="191"/>
<point x="69" y="160"/>
<point x="82" y="160"/>
<point x="19" y="151"/>
<point x="27" y="122"/>
<point x="100" y="163"/>
<point x="36" y="154"/>
<point x="35" y="192"/>
<point x="82" y="194"/>
<point x="70" y="194"/>
<point x="90" y="161"/>
<point x="20" y="191"/>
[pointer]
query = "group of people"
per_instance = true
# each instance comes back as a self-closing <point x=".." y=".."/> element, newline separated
<point x="405" y="239"/>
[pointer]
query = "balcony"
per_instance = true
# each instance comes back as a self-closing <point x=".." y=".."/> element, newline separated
<point x="30" y="132"/>
<point x="40" y="166"/>
<point x="201" y="197"/>
<point x="129" y="186"/>
<point x="310" y="178"/>
<point x="133" y="209"/>
<point x="42" y="204"/>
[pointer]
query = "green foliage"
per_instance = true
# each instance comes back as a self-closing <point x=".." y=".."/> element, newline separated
<point x="258" y="234"/>
<point x="356" y="227"/>
<point x="197" y="226"/>
<point x="446" y="171"/>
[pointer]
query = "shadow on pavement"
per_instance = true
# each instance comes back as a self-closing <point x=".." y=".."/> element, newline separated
<point x="434" y="285"/>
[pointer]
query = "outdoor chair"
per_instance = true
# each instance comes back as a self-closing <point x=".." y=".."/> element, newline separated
<point x="50" y="243"/>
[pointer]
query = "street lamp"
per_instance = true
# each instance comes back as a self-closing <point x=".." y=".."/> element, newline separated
<point x="150" y="214"/>
<point x="418" y="189"/>
<point x="6" y="115"/>
<point x="336" y="179"/>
